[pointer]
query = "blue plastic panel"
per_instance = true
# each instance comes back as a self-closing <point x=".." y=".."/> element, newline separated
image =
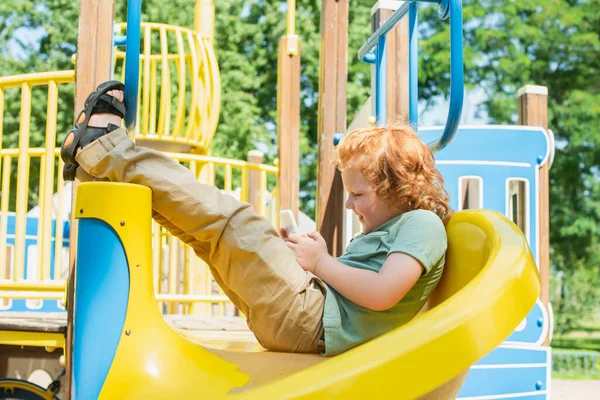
<point x="502" y="381"/>
<point x="534" y="329"/>
<point x="101" y="295"/>
<point x="31" y="232"/>
<point x="521" y="144"/>
<point x="515" y="355"/>
<point x="491" y="153"/>
<point x="510" y="370"/>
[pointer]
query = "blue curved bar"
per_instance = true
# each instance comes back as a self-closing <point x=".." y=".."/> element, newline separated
<point x="101" y="296"/>
<point x="374" y="48"/>
<point x="457" y="78"/>
<point x="132" y="61"/>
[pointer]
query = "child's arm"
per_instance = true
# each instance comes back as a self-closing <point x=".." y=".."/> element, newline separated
<point x="374" y="290"/>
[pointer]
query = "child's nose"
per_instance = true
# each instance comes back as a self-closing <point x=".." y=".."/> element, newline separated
<point x="349" y="205"/>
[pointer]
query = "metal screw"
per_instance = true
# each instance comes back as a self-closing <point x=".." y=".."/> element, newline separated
<point x="138" y="265"/>
<point x="122" y="223"/>
<point x="81" y="211"/>
<point x="128" y="332"/>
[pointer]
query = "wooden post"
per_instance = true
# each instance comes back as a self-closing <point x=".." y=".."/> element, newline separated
<point x="288" y="124"/>
<point x="94" y="66"/>
<point x="533" y="111"/>
<point x="254" y="156"/>
<point x="333" y="74"/>
<point x="397" y="76"/>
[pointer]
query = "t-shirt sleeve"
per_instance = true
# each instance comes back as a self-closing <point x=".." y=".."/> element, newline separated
<point x="421" y="235"/>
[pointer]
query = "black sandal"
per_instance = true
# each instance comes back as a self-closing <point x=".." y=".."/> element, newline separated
<point x="97" y="102"/>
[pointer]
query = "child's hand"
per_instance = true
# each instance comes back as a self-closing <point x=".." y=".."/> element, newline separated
<point x="309" y="249"/>
<point x="284" y="235"/>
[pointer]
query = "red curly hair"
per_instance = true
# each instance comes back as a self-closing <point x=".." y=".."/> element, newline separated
<point x="399" y="165"/>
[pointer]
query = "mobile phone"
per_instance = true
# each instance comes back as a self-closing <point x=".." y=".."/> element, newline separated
<point x="287" y="221"/>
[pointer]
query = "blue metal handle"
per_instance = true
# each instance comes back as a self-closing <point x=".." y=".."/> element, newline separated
<point x="372" y="52"/>
<point x="132" y="61"/>
<point x="457" y="78"/>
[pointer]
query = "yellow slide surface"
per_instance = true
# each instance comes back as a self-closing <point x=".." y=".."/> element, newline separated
<point x="489" y="285"/>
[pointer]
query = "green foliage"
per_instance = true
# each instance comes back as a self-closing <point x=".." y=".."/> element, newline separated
<point x="575" y="294"/>
<point x="591" y="326"/>
<point x="591" y="344"/>
<point x="42" y="32"/>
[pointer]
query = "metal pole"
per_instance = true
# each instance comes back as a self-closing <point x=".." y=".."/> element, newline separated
<point x="413" y="69"/>
<point x="132" y="62"/>
<point x="380" y="72"/>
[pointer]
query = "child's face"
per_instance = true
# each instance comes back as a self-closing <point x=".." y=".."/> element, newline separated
<point x="372" y="212"/>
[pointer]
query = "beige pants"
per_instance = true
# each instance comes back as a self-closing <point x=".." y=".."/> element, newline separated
<point x="256" y="270"/>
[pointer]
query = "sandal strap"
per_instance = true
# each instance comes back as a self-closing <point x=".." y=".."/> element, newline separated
<point x="109" y="104"/>
<point x="94" y="132"/>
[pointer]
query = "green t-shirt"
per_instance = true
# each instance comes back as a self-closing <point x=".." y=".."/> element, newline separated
<point x="420" y="234"/>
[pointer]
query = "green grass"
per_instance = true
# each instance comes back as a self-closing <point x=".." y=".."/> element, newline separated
<point x="578" y="377"/>
<point x="576" y="343"/>
<point x="590" y="326"/>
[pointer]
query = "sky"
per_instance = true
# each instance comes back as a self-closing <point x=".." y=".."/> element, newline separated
<point x="436" y="115"/>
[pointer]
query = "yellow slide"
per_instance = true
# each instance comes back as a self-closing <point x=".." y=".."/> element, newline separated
<point x="489" y="285"/>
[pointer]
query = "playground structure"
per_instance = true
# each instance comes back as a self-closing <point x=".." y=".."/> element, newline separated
<point x="480" y="304"/>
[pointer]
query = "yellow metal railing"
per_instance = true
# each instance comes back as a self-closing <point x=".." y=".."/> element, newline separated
<point x="293" y="39"/>
<point x="291" y="17"/>
<point x="47" y="157"/>
<point x="182" y="279"/>
<point x="180" y="87"/>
